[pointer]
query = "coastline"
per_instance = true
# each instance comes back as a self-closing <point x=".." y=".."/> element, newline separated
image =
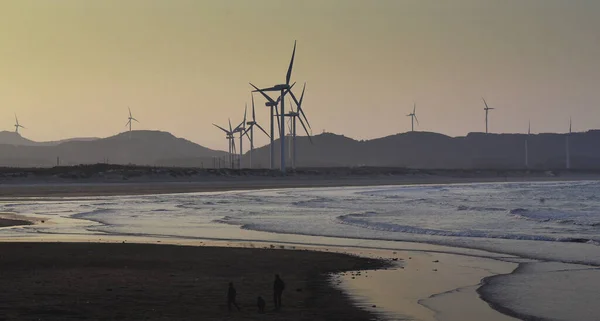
<point x="25" y="188"/>
<point x="466" y="290"/>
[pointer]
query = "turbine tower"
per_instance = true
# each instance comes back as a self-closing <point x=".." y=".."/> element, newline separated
<point x="413" y="117"/>
<point x="527" y="145"/>
<point x="298" y="114"/>
<point x="129" y="120"/>
<point x="487" y="110"/>
<point x="568" y="151"/>
<point x="17" y="125"/>
<point x="274" y="114"/>
<point x="283" y="89"/>
<point x="250" y="129"/>
<point x="230" y="141"/>
<point x="241" y="128"/>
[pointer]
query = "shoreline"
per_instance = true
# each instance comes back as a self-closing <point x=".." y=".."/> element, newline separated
<point x="467" y="290"/>
<point x="82" y="188"/>
<point x="400" y="264"/>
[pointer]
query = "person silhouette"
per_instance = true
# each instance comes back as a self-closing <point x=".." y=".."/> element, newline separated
<point x="231" y="295"/>
<point x="260" y="302"/>
<point x="278" y="287"/>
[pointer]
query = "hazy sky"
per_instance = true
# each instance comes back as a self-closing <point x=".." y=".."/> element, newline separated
<point x="71" y="68"/>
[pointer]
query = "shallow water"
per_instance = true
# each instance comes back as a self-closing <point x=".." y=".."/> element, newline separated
<point x="557" y="221"/>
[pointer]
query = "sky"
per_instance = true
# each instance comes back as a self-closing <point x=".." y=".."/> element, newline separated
<point x="71" y="68"/>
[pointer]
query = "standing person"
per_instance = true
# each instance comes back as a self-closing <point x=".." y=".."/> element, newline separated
<point x="260" y="302"/>
<point x="278" y="287"/>
<point x="231" y="294"/>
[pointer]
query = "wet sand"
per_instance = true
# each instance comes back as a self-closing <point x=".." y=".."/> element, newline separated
<point x="65" y="281"/>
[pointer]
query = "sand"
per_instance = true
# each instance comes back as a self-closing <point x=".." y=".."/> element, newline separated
<point x="75" y="281"/>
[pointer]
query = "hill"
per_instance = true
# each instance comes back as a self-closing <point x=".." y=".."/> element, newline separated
<point x="14" y="138"/>
<point x="137" y="147"/>
<point x="424" y="150"/>
<point x="436" y="151"/>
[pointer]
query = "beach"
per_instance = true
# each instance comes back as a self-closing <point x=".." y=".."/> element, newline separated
<point x="116" y="281"/>
<point x="122" y="244"/>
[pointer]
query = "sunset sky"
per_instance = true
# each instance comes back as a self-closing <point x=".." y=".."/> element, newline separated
<point x="70" y="68"/>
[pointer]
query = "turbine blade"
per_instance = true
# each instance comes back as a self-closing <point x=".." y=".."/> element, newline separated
<point x="305" y="130"/>
<point x="221" y="128"/>
<point x="253" y="111"/>
<point x="129" y="111"/>
<point x="414" y="108"/>
<point x="127" y="124"/>
<point x="263" y="93"/>
<point x="302" y="95"/>
<point x="245" y="111"/>
<point x="486" y="105"/>
<point x="230" y="130"/>
<point x="245" y="133"/>
<point x="416" y="119"/>
<point x="289" y="72"/>
<point x="135" y="119"/>
<point x="300" y="110"/>
<point x="263" y="130"/>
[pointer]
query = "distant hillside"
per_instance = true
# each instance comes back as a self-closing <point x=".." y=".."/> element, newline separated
<point x="137" y="147"/>
<point x="13" y="138"/>
<point x="424" y="150"/>
<point x="433" y="150"/>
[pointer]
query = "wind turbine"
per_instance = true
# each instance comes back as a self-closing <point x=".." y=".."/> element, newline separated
<point x="413" y="117"/>
<point x="298" y="114"/>
<point x="568" y="151"/>
<point x="527" y="146"/>
<point x="230" y="140"/>
<point x="241" y="128"/>
<point x="487" y="110"/>
<point x="130" y="118"/>
<point x="17" y="125"/>
<point x="250" y="129"/>
<point x="283" y="88"/>
<point x="273" y="105"/>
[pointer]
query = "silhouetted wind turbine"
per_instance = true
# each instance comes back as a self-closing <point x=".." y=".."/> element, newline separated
<point x="527" y="145"/>
<point x="230" y="140"/>
<point x="241" y="128"/>
<point x="283" y="88"/>
<point x="568" y="150"/>
<point x="273" y="105"/>
<point x="250" y="129"/>
<point x="298" y="114"/>
<point x="17" y="125"/>
<point x="487" y="109"/>
<point x="129" y="120"/>
<point x="413" y="117"/>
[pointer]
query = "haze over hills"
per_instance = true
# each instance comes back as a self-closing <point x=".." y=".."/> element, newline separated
<point x="425" y="150"/>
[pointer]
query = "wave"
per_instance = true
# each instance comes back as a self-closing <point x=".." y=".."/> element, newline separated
<point x="552" y="216"/>
<point x="479" y="208"/>
<point x="92" y="213"/>
<point x="361" y="220"/>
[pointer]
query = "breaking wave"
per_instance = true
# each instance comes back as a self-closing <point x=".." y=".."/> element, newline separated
<point x="362" y="220"/>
